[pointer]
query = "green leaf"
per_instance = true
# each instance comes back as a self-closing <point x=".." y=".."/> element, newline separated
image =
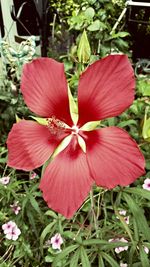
<point x="146" y="128"/>
<point x="34" y="204"/>
<point x="89" y="13"/>
<point x="84" y="50"/>
<point x="84" y="258"/>
<point x="90" y="242"/>
<point x="46" y="231"/>
<point x="148" y="164"/>
<point x="144" y="258"/>
<point x="100" y="261"/>
<point x="75" y="258"/>
<point x="51" y="214"/>
<point x="126" y="227"/>
<point x="49" y="258"/>
<point x="139" y="216"/>
<point x="119" y="35"/>
<point x="138" y="191"/>
<point x="126" y="123"/>
<point x="109" y="259"/>
<point x="64" y="253"/>
<point x="143" y="86"/>
<point x="96" y="26"/>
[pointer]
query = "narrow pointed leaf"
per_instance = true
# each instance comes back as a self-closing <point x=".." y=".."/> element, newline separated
<point x="75" y="258"/>
<point x="110" y="260"/>
<point x="139" y="216"/>
<point x="144" y="258"/>
<point x="46" y="231"/>
<point x="84" y="258"/>
<point x="64" y="253"/>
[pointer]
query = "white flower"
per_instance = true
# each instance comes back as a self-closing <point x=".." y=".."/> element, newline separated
<point x="123" y="264"/>
<point x="122" y="212"/>
<point x="14" y="234"/>
<point x="146" y="184"/>
<point x="119" y="249"/>
<point x="11" y="230"/>
<point x="146" y="249"/>
<point x="7" y="227"/>
<point x="5" y="180"/>
<point x="56" y="241"/>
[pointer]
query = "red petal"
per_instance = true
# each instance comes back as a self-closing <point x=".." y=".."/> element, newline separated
<point x="30" y="145"/>
<point x="44" y="88"/>
<point x="66" y="181"/>
<point x="113" y="157"/>
<point x="105" y="88"/>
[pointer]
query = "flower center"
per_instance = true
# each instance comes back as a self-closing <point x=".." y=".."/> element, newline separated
<point x="74" y="130"/>
<point x="55" y="126"/>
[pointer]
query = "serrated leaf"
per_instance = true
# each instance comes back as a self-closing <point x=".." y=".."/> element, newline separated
<point x="84" y="258"/>
<point x="84" y="50"/>
<point x="139" y="216"/>
<point x="109" y="259"/>
<point x="64" y="253"/>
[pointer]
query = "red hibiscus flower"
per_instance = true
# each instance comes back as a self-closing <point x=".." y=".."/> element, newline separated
<point x="107" y="156"/>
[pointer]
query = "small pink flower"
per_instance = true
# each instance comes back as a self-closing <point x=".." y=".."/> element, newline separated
<point x="5" y="180"/>
<point x="123" y="264"/>
<point x="126" y="219"/>
<point x="7" y="227"/>
<point x="122" y="212"/>
<point x="56" y="241"/>
<point x="146" y="184"/>
<point x="15" y="207"/>
<point x="13" y="234"/>
<point x="146" y="249"/>
<point x="33" y="175"/>
<point x="119" y="249"/>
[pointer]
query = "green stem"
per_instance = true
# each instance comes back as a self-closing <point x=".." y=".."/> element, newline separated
<point x="93" y="211"/>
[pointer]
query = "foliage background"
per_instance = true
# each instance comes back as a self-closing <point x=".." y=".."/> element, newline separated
<point x="86" y="235"/>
